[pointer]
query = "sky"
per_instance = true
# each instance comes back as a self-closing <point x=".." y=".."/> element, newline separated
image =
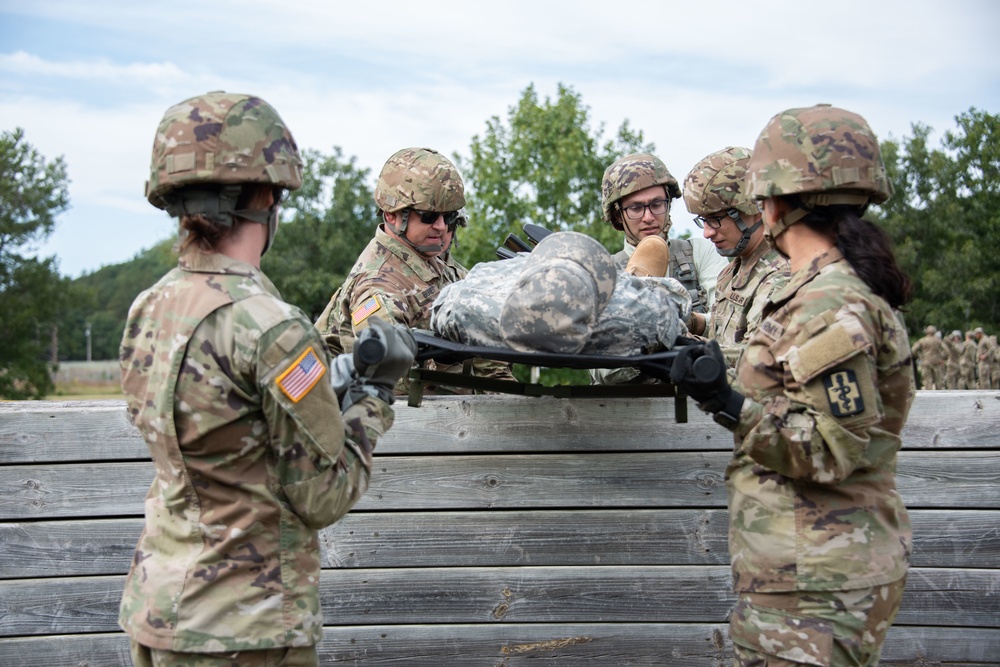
<point x="89" y="81"/>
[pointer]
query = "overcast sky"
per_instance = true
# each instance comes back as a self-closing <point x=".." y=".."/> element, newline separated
<point x="90" y="80"/>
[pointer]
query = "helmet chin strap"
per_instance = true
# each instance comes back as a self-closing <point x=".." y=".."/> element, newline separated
<point x="747" y="234"/>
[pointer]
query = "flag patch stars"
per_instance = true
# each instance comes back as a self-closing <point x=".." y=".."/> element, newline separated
<point x="301" y="376"/>
<point x="370" y="306"/>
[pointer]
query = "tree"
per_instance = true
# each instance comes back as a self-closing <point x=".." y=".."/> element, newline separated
<point x="945" y="221"/>
<point x="33" y="192"/>
<point x="543" y="164"/>
<point x="327" y="223"/>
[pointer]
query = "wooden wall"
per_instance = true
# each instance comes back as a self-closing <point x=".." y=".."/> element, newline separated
<point x="500" y="531"/>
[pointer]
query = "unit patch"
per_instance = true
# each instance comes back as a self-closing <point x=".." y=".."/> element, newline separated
<point x="301" y="376"/>
<point x="372" y="305"/>
<point x="843" y="393"/>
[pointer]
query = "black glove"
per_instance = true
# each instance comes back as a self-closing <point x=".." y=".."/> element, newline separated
<point x="700" y="372"/>
<point x="383" y="353"/>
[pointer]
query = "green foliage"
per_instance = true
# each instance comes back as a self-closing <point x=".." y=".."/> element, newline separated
<point x="542" y="164"/>
<point x="101" y="299"/>
<point x="945" y="221"/>
<point x="32" y="192"/>
<point x="327" y="223"/>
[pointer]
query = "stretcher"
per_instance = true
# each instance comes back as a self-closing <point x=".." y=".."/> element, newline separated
<point x="449" y="352"/>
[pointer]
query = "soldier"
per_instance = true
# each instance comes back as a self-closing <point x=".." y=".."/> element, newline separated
<point x="420" y="196"/>
<point x="715" y="192"/>
<point x="984" y="374"/>
<point x="636" y="194"/>
<point x="819" y="537"/>
<point x="257" y="438"/>
<point x="995" y="363"/>
<point x="967" y="364"/>
<point x="931" y="355"/>
<point x="953" y="372"/>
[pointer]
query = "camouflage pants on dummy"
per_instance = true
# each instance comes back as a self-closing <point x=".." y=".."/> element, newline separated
<point x="303" y="656"/>
<point x="823" y="628"/>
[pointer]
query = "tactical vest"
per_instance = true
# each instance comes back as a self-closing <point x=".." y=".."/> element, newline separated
<point x="682" y="269"/>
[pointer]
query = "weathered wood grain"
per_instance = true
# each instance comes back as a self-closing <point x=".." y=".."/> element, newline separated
<point x="926" y="479"/>
<point x="942" y="538"/>
<point x="516" y="645"/>
<point x="455" y="595"/>
<point x="49" y="431"/>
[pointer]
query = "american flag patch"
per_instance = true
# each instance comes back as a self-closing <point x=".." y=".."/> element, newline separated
<point x="364" y="310"/>
<point x="301" y="376"/>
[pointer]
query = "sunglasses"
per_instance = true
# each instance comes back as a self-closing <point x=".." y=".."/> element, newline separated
<point x="430" y="217"/>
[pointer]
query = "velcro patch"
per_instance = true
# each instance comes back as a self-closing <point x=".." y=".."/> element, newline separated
<point x="372" y="305"/>
<point x="301" y="376"/>
<point x="772" y="329"/>
<point x="843" y="393"/>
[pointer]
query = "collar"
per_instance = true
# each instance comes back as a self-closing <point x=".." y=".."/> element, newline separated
<point x="803" y="276"/>
<point x="195" y="260"/>
<point x="425" y="268"/>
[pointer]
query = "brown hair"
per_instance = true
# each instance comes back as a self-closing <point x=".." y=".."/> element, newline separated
<point x="198" y="230"/>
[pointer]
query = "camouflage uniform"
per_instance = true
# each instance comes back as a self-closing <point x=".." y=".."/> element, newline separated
<point x="247" y="466"/>
<point x="565" y="297"/>
<point x="967" y="363"/>
<point x="230" y="388"/>
<point x="716" y="185"/>
<point x="995" y="363"/>
<point x="819" y="537"/>
<point x="393" y="282"/>
<point x="931" y="355"/>
<point x="953" y="372"/>
<point x="984" y="353"/>
<point x="812" y="491"/>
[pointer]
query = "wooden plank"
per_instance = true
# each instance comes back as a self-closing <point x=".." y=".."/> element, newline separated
<point x="51" y="431"/>
<point x="645" y="594"/>
<point x="517" y="645"/>
<point x="942" y="538"/>
<point x="926" y="479"/>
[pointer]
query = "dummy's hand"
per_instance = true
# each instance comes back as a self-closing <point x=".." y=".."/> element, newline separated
<point x="700" y="372"/>
<point x="384" y="353"/>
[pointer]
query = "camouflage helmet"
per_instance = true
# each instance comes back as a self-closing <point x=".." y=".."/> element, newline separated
<point x="825" y="154"/>
<point x="716" y="183"/>
<point x="633" y="173"/>
<point x="421" y="179"/>
<point x="221" y="138"/>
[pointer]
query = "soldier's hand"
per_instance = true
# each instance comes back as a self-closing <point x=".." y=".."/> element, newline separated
<point x="700" y="372"/>
<point x="383" y="353"/>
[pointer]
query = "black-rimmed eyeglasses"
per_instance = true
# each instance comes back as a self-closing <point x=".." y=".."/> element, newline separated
<point x="714" y="221"/>
<point x="636" y="211"/>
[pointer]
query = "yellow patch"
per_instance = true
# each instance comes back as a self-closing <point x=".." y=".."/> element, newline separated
<point x="372" y="305"/>
<point x="302" y="375"/>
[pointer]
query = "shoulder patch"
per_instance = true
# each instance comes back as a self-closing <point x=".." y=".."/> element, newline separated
<point x="843" y="393"/>
<point x="372" y="305"/>
<point x="302" y="375"/>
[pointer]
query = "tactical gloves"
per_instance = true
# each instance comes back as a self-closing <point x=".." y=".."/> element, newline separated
<point x="383" y="353"/>
<point x="700" y="372"/>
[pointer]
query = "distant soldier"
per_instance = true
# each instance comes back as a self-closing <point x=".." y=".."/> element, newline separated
<point x="931" y="355"/>
<point x="984" y="373"/>
<point x="953" y="373"/>
<point x="715" y="192"/>
<point x="967" y="365"/>
<point x="420" y="197"/>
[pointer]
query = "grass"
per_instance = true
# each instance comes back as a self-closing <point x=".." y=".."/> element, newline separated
<point x="84" y="392"/>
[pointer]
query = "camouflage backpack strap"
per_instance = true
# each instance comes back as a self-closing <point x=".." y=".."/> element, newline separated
<point x="683" y="270"/>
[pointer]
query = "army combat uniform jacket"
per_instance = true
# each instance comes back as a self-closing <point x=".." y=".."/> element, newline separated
<point x="390" y="280"/>
<point x="742" y="291"/>
<point x="230" y="388"/>
<point x="812" y="485"/>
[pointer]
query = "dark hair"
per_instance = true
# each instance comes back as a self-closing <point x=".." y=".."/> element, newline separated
<point x="866" y="246"/>
<point x="198" y="230"/>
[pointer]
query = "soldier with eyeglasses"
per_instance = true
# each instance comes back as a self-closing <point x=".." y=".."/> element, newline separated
<point x="636" y="193"/>
<point x="420" y="196"/>
<point x="715" y="191"/>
